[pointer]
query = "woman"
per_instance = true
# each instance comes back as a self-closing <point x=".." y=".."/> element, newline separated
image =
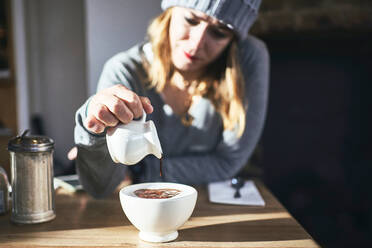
<point x="202" y="80"/>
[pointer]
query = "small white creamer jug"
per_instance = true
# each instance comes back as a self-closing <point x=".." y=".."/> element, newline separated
<point x="130" y="143"/>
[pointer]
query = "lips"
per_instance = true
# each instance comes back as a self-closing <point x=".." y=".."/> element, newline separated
<point x="189" y="56"/>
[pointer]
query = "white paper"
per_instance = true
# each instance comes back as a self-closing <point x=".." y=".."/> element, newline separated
<point x="69" y="182"/>
<point x="222" y="192"/>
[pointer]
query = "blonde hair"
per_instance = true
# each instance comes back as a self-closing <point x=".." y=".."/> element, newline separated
<point x="223" y="83"/>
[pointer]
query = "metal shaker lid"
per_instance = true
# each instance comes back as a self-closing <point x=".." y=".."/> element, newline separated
<point x="31" y="143"/>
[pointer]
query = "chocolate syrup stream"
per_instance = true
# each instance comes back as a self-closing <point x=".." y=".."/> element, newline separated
<point x="161" y="166"/>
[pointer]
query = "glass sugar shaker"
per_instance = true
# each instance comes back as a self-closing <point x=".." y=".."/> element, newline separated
<point x="31" y="161"/>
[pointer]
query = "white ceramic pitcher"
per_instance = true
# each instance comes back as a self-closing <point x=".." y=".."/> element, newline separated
<point x="130" y="143"/>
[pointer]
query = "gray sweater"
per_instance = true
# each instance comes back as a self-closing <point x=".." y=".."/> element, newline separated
<point x="198" y="154"/>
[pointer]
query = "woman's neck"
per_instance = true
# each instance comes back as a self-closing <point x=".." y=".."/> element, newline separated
<point x="190" y="75"/>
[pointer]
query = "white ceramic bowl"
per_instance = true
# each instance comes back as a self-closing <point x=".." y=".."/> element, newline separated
<point x="158" y="219"/>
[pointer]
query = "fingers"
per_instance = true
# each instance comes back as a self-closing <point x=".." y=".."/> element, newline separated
<point x="72" y="154"/>
<point x="146" y="104"/>
<point x="116" y="110"/>
<point x="94" y="125"/>
<point x="99" y="116"/>
<point x="131" y="99"/>
<point x="102" y="113"/>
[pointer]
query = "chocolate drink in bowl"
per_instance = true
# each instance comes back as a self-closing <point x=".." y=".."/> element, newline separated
<point x="156" y="193"/>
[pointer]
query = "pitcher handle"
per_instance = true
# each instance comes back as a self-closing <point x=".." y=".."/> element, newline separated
<point x="143" y="118"/>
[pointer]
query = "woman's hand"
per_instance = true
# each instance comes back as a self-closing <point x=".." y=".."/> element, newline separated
<point x="113" y="105"/>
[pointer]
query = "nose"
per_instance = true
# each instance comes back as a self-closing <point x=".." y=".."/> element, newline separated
<point x="198" y="37"/>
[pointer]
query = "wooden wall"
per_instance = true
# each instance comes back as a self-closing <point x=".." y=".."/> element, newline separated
<point x="8" y="109"/>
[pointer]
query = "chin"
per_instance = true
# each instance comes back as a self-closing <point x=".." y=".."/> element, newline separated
<point x="186" y="67"/>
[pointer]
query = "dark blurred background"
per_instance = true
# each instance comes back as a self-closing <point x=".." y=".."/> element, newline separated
<point x="316" y="148"/>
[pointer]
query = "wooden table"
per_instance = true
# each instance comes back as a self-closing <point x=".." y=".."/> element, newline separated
<point x="86" y="222"/>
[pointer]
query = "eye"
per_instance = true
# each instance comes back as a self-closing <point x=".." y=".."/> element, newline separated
<point x="191" y="21"/>
<point x="218" y="33"/>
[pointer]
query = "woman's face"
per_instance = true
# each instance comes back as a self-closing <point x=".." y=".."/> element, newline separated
<point x="196" y="40"/>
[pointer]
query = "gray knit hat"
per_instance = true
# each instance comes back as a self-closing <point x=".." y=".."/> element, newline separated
<point x="238" y="15"/>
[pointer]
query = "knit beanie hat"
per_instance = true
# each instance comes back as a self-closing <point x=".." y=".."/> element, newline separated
<point x="239" y="15"/>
